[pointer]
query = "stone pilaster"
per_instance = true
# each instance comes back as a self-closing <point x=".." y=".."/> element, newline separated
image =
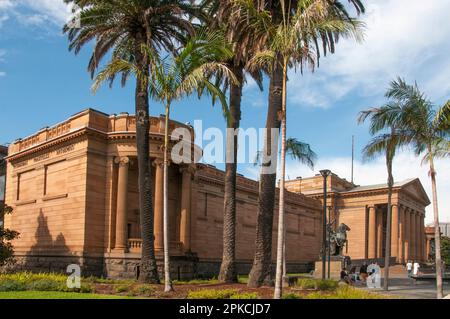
<point x="159" y="204"/>
<point x="372" y="232"/>
<point x="122" y="205"/>
<point x="407" y="233"/>
<point x="394" y="231"/>
<point x="185" y="217"/>
<point x="401" y="235"/>
<point x="412" y="235"/>
<point x="379" y="213"/>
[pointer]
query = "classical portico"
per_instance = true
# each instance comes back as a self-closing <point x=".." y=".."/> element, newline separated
<point x="127" y="234"/>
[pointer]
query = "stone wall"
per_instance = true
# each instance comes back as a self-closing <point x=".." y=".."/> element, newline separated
<point x="90" y="266"/>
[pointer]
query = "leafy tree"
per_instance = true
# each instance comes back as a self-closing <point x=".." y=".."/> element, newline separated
<point x="445" y="250"/>
<point x="6" y="236"/>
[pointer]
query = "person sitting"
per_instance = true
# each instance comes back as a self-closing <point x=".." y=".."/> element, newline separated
<point x="363" y="272"/>
<point x="345" y="277"/>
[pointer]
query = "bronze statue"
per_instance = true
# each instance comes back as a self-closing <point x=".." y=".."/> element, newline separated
<point x="337" y="239"/>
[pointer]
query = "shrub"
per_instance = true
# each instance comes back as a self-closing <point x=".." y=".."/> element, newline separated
<point x="306" y="283"/>
<point x="121" y="288"/>
<point x="196" y="281"/>
<point x="143" y="290"/>
<point x="327" y="284"/>
<point x="345" y="292"/>
<point x="11" y="285"/>
<point x="45" y="285"/>
<point x="40" y="282"/>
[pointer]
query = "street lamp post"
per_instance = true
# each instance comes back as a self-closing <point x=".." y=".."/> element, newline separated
<point x="328" y="243"/>
<point x="325" y="173"/>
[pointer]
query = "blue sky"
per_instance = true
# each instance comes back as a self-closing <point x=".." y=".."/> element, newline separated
<point x="42" y="83"/>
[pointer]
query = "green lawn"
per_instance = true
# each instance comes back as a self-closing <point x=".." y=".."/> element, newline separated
<point x="54" y="295"/>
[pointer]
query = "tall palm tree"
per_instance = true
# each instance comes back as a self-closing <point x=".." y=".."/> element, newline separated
<point x="171" y="79"/>
<point x="429" y="133"/>
<point x="278" y="11"/>
<point x="294" y="41"/>
<point x="386" y="122"/>
<point x="246" y="38"/>
<point x="123" y="27"/>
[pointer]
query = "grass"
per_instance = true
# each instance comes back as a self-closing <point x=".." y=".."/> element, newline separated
<point x="54" y="295"/>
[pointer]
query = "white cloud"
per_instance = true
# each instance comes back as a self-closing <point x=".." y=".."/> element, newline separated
<point x="403" y="37"/>
<point x="36" y="12"/>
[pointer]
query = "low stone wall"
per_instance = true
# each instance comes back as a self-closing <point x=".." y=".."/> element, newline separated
<point x="90" y="266"/>
<point x="182" y="267"/>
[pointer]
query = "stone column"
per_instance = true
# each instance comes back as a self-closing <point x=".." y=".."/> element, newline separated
<point x="401" y="235"/>
<point x="122" y="205"/>
<point x="406" y="233"/>
<point x="412" y="235"/>
<point x="422" y="223"/>
<point x="185" y="219"/>
<point x="159" y="204"/>
<point x="394" y="231"/>
<point x="372" y="232"/>
<point x="419" y="236"/>
<point x="379" y="233"/>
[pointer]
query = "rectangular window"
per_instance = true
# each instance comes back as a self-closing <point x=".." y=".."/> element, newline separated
<point x="55" y="179"/>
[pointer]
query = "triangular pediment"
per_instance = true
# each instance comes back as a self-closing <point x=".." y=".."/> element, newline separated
<point x="415" y="189"/>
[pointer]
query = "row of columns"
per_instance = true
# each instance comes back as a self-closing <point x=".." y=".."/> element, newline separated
<point x="121" y="240"/>
<point x="407" y="234"/>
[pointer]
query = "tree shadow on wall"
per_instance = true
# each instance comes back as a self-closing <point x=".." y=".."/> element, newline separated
<point x="47" y="254"/>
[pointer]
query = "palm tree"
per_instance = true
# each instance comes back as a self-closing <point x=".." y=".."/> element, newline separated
<point x="123" y="27"/>
<point x="171" y="79"/>
<point x="245" y="38"/>
<point x="385" y="118"/>
<point x="294" y="42"/>
<point x="429" y="132"/>
<point x="279" y="13"/>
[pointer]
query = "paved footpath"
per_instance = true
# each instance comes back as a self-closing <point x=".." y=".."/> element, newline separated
<point x="403" y="287"/>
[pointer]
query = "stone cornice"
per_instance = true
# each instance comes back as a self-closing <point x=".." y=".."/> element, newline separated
<point x="49" y="144"/>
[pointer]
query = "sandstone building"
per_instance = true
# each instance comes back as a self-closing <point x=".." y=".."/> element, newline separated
<point x="73" y="188"/>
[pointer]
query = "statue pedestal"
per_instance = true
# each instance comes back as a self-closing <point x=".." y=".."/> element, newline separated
<point x="336" y="265"/>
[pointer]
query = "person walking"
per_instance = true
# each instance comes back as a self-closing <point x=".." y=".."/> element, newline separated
<point x="416" y="268"/>
<point x="363" y="272"/>
<point x="409" y="267"/>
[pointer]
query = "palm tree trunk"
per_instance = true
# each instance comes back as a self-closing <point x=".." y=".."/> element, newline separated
<point x="437" y="232"/>
<point x="228" y="268"/>
<point x="281" y="224"/>
<point x="167" y="281"/>
<point x="389" y="225"/>
<point x="261" y="271"/>
<point x="148" y="269"/>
